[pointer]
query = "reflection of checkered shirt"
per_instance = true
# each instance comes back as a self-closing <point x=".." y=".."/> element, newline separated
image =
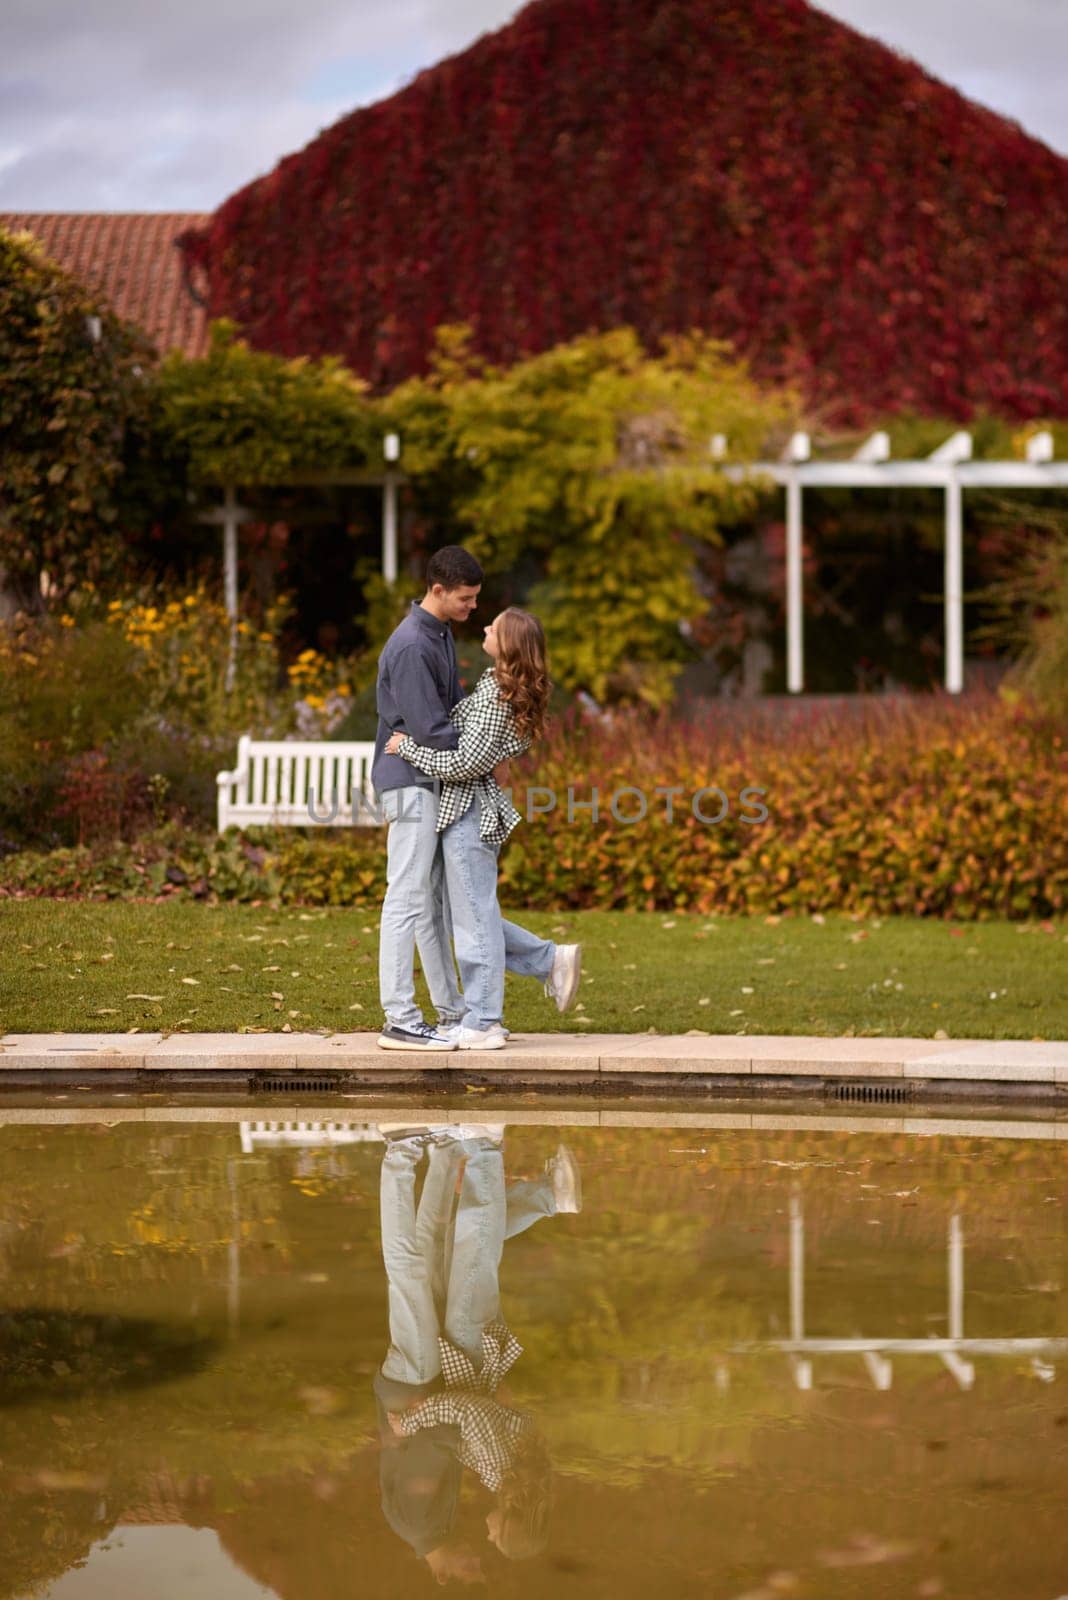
<point x="487" y="735"/>
<point x="489" y="1432"/>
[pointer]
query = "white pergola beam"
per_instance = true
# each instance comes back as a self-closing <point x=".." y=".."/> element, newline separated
<point x="925" y="474"/>
<point x="957" y="448"/>
<point x="880" y="1370"/>
<point x="876" y="447"/>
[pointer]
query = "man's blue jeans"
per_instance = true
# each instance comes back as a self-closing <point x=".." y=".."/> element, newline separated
<point x="415" y="911"/>
<point x="485" y="943"/>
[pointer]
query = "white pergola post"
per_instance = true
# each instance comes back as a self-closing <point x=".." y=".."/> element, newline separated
<point x="802" y="1367"/>
<point x="956" y="449"/>
<point x="230" y="578"/>
<point x="950" y="468"/>
<point x="962" y="1370"/>
<point x="797" y="451"/>
<point x="954" y="585"/>
<point x="230" y="515"/>
<point x="391" y="451"/>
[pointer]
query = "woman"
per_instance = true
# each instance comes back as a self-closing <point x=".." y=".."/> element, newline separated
<point x="502" y="717"/>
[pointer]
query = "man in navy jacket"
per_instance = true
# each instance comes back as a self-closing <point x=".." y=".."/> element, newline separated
<point x="418" y="685"/>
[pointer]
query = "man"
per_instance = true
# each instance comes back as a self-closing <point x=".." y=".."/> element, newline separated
<point x="418" y="685"/>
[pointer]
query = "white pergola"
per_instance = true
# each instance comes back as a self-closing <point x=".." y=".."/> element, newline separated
<point x="949" y="468"/>
<point x="230" y="515"/>
<point x="953" y="1349"/>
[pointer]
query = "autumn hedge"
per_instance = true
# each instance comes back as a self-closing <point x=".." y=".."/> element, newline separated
<point x="927" y="808"/>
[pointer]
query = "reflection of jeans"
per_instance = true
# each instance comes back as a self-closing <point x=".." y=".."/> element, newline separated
<point x="485" y="943"/>
<point x="443" y="1269"/>
<point x="415" y="911"/>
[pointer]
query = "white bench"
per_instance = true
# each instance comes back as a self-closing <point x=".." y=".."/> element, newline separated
<point x="306" y="1134"/>
<point x="296" y="783"/>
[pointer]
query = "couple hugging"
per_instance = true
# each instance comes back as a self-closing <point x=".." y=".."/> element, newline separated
<point x="439" y="760"/>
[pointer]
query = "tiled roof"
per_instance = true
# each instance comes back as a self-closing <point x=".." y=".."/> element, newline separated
<point x="131" y="257"/>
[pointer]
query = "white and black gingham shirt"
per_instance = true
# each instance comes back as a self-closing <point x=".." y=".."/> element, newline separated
<point x="489" y="1432"/>
<point x="487" y="735"/>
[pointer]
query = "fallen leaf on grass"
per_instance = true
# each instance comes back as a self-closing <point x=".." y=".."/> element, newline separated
<point x="195" y="982"/>
<point x="144" y="997"/>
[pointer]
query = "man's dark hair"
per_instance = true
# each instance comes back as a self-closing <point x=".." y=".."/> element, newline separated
<point x="453" y="567"/>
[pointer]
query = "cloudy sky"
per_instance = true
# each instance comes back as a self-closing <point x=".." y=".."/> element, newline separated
<point x="171" y="105"/>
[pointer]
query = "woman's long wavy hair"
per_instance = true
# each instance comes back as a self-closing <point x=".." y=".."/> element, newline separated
<point x="522" y="671"/>
<point x="525" y="1500"/>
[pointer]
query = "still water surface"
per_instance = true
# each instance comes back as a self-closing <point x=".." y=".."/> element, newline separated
<point x="755" y="1364"/>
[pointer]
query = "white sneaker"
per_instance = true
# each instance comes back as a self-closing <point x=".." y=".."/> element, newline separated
<point x="491" y="1038"/>
<point x="567" y="1180"/>
<point x="468" y="1130"/>
<point x="562" y="983"/>
<point x="451" y="1030"/>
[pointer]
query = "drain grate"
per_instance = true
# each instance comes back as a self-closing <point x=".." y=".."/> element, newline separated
<point x="883" y="1093"/>
<point x="305" y="1085"/>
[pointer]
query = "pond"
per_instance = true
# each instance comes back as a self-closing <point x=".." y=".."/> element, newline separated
<point x="755" y="1362"/>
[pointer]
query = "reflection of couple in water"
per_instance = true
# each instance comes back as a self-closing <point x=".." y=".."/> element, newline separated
<point x="442" y="1405"/>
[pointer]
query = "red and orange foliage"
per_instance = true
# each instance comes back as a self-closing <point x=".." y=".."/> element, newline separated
<point x="749" y="167"/>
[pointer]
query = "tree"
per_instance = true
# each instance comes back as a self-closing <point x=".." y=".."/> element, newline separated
<point x="72" y="381"/>
<point x="246" y="417"/>
<point x="594" y="458"/>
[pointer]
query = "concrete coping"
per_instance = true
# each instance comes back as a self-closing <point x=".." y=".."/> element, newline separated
<point x="575" y="1056"/>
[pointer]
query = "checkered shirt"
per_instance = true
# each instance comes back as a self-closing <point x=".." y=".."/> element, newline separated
<point x="487" y="735"/>
<point x="489" y="1432"/>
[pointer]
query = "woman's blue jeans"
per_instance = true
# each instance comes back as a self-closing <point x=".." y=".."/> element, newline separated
<point x="485" y="943"/>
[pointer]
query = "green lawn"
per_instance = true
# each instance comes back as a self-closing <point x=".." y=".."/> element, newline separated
<point x="114" y="967"/>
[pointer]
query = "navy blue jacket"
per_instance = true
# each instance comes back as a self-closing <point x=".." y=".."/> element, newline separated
<point x="418" y="685"/>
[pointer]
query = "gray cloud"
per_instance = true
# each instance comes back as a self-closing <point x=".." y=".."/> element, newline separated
<point x="123" y="105"/>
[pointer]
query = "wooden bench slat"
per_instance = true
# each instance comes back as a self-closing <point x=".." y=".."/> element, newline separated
<point x="273" y="778"/>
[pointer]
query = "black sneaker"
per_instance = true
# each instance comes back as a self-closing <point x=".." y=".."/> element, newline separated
<point x="421" y="1037"/>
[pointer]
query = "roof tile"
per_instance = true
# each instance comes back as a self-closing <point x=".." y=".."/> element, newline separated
<point x="131" y="258"/>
